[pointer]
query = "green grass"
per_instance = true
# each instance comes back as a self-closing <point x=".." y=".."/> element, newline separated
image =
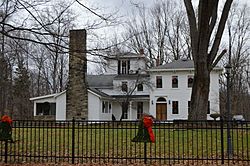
<point x="104" y="141"/>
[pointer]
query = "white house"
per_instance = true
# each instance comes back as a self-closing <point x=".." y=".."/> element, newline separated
<point x="163" y="91"/>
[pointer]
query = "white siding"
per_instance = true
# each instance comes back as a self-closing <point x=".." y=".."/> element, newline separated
<point x="48" y="99"/>
<point x="94" y="107"/>
<point x="61" y="107"/>
<point x="117" y="110"/>
<point x="182" y="94"/>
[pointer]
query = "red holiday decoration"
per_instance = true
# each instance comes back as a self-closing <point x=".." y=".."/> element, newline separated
<point x="145" y="132"/>
<point x="7" y="119"/>
<point x="148" y="123"/>
<point x="6" y="129"/>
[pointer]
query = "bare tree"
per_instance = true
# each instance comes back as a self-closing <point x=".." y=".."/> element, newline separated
<point x="238" y="27"/>
<point x="202" y="26"/>
<point x="128" y="90"/>
<point x="160" y="31"/>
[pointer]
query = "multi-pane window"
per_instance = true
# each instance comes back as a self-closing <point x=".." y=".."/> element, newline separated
<point x="46" y="108"/>
<point x="123" y="66"/>
<point x="139" y="87"/>
<point x="190" y="81"/>
<point x="174" y="81"/>
<point x="175" y="107"/>
<point x="139" y="110"/>
<point x="124" y="86"/>
<point x="106" y="107"/>
<point x="125" y="111"/>
<point x="158" y="81"/>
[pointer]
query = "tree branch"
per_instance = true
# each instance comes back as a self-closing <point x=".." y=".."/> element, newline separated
<point x="220" y="30"/>
<point x="193" y="26"/>
<point x="217" y="59"/>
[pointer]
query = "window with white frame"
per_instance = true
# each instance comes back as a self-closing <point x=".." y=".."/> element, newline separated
<point x="175" y="107"/>
<point x="106" y="107"/>
<point x="174" y="81"/>
<point x="123" y="66"/>
<point x="140" y="87"/>
<point x="190" y="81"/>
<point x="139" y="110"/>
<point x="124" y="86"/>
<point x="46" y="108"/>
<point x="158" y="81"/>
<point x="125" y="112"/>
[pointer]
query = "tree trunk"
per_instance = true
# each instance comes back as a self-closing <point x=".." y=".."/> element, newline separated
<point x="200" y="93"/>
<point x="202" y="25"/>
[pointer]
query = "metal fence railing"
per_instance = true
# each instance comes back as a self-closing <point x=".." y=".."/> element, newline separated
<point x="176" y="142"/>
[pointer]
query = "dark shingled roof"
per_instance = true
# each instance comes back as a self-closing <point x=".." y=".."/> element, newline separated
<point x="178" y="64"/>
<point x="99" y="92"/>
<point x="100" y="81"/>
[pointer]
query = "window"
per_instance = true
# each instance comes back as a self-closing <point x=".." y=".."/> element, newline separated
<point x="139" y="110"/>
<point x="139" y="87"/>
<point x="175" y="107"/>
<point x="123" y="66"/>
<point x="106" y="107"/>
<point x="158" y="81"/>
<point x="174" y="81"/>
<point x="125" y="110"/>
<point x="46" y="108"/>
<point x="124" y="86"/>
<point x="190" y="81"/>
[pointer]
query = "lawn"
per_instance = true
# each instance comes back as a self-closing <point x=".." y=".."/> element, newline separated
<point x="107" y="142"/>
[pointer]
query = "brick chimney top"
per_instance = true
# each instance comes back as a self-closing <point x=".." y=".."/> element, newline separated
<point x="141" y="51"/>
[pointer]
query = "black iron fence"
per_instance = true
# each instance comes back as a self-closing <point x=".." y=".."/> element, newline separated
<point x="177" y="142"/>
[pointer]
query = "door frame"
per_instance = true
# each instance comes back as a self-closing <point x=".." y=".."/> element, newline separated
<point x="161" y="101"/>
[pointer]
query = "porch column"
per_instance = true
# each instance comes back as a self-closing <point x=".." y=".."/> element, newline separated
<point x="130" y="110"/>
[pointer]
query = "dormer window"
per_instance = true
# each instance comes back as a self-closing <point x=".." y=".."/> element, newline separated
<point x="174" y="81"/>
<point x="123" y="66"/>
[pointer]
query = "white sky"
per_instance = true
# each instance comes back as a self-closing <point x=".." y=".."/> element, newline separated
<point x="124" y="8"/>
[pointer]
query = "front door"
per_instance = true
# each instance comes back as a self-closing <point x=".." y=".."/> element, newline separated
<point x="161" y="111"/>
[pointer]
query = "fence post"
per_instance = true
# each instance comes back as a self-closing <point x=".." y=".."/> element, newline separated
<point x="145" y="153"/>
<point x="222" y="140"/>
<point x="6" y="151"/>
<point x="73" y="140"/>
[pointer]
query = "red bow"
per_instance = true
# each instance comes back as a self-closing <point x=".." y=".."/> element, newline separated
<point x="148" y="123"/>
<point x="7" y="119"/>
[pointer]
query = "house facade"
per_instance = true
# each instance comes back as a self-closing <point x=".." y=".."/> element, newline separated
<point x="128" y="89"/>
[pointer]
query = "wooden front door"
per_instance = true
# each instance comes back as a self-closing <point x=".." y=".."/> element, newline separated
<point x="161" y="111"/>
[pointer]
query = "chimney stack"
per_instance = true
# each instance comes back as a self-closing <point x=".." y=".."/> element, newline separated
<point x="77" y="94"/>
<point x="141" y="51"/>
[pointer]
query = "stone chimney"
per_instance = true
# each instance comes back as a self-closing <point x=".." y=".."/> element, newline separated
<point x="77" y="94"/>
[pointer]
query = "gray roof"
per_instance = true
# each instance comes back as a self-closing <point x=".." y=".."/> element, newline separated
<point x="100" y="81"/>
<point x="178" y="64"/>
<point x="97" y="91"/>
<point x="130" y="76"/>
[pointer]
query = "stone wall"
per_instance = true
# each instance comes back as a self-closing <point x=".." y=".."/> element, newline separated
<point x="45" y="117"/>
<point x="76" y="95"/>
